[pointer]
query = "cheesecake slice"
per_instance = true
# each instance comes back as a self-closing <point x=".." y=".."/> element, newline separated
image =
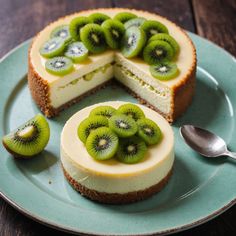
<point x="170" y="98"/>
<point x="111" y="181"/>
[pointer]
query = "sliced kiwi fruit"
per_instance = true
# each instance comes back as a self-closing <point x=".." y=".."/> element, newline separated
<point x="98" y="18"/>
<point x="167" y="38"/>
<point x="93" y="37"/>
<point x="29" y="139"/>
<point x="59" y="66"/>
<point x="131" y="150"/>
<point x="124" y="16"/>
<point x="152" y="27"/>
<point x="133" y="42"/>
<point x="122" y="125"/>
<point x="149" y="131"/>
<point x="137" y="22"/>
<point x="75" y="26"/>
<point x="157" y="51"/>
<point x="61" y="31"/>
<point x="102" y="144"/>
<point x="114" y="31"/>
<point x="106" y="111"/>
<point x="53" y="47"/>
<point x="164" y="70"/>
<point x="89" y="124"/>
<point x="132" y="111"/>
<point x="77" y="52"/>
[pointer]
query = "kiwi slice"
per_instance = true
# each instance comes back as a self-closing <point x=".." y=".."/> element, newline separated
<point x="53" y="47"/>
<point x="124" y="16"/>
<point x="131" y="150"/>
<point x="164" y="70"/>
<point x="152" y="27"/>
<point x="149" y="131"/>
<point x="114" y="31"/>
<point x="106" y="111"/>
<point x="89" y="124"/>
<point x="93" y="37"/>
<point x="137" y="22"/>
<point x="29" y="139"/>
<point x="132" y="111"/>
<point x="157" y="51"/>
<point x="61" y="31"/>
<point x="98" y="18"/>
<point x="167" y="38"/>
<point x="75" y="26"/>
<point x="133" y="42"/>
<point x="102" y="144"/>
<point x="122" y="125"/>
<point x="59" y="65"/>
<point x="77" y="52"/>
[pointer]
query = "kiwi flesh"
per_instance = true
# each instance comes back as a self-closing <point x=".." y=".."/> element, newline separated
<point x="53" y="47"/>
<point x="124" y="16"/>
<point x="131" y="150"/>
<point x="102" y="144"/>
<point x="164" y="70"/>
<point x="77" y="52"/>
<point x="59" y="66"/>
<point x="98" y="18"/>
<point x="132" y="111"/>
<point x="93" y="37"/>
<point x="61" y="31"/>
<point x="122" y="125"/>
<point x="106" y="111"/>
<point x="149" y="131"/>
<point x="136" y="22"/>
<point x="89" y="124"/>
<point x="157" y="51"/>
<point x="29" y="139"/>
<point x="133" y="42"/>
<point x="114" y="31"/>
<point x="76" y="24"/>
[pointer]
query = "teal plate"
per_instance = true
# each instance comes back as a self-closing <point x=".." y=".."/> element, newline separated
<point x="198" y="190"/>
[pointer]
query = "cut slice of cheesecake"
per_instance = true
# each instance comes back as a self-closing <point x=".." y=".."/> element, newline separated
<point x="170" y="98"/>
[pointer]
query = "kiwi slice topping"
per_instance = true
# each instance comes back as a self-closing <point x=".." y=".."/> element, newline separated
<point x="75" y="26"/>
<point x="136" y="22"/>
<point x="29" y="139"/>
<point x="98" y="18"/>
<point x="149" y="131"/>
<point x="102" y="144"/>
<point x="77" y="52"/>
<point x="53" y="47"/>
<point x="157" y="51"/>
<point x="59" y="66"/>
<point x="164" y="70"/>
<point x="106" y="111"/>
<point x="93" y="37"/>
<point x="114" y="31"/>
<point x="132" y="111"/>
<point x="61" y="31"/>
<point x="123" y="125"/>
<point x="131" y="150"/>
<point x="152" y="27"/>
<point x="133" y="42"/>
<point x="124" y="16"/>
<point x="89" y="124"/>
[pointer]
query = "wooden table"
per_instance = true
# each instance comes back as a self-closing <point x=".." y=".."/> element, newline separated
<point x="20" y="20"/>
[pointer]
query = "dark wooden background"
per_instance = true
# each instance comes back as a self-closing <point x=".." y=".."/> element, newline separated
<point x="22" y="19"/>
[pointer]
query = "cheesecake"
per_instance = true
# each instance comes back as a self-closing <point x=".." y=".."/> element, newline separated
<point x="111" y="181"/>
<point x="170" y="98"/>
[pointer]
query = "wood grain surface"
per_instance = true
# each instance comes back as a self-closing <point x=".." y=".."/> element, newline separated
<point x="20" y="20"/>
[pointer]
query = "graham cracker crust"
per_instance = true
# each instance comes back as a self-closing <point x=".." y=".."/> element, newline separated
<point x="117" y="198"/>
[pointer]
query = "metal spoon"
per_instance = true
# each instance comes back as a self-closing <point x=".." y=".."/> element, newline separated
<point x="205" y="142"/>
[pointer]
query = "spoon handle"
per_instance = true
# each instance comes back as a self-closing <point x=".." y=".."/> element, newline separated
<point x="231" y="154"/>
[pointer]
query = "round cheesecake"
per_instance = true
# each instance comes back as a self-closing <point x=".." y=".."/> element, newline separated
<point x="111" y="181"/>
<point x="170" y="98"/>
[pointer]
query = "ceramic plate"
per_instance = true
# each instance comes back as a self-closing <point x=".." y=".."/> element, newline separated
<point x="198" y="190"/>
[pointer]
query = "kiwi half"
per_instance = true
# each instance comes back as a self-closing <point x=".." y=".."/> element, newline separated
<point x="29" y="139"/>
<point x="132" y="111"/>
<point x="124" y="16"/>
<point x="106" y="111"/>
<point x="61" y="31"/>
<point x="77" y="52"/>
<point x="98" y="18"/>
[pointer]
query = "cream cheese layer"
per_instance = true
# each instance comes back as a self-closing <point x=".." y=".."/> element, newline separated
<point x="112" y="176"/>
